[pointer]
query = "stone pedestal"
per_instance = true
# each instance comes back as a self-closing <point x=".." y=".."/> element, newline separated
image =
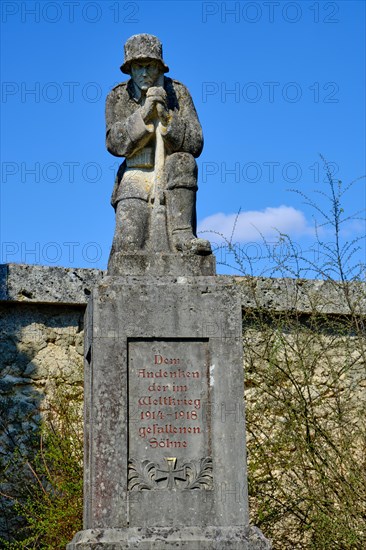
<point x="161" y="264"/>
<point x="165" y="463"/>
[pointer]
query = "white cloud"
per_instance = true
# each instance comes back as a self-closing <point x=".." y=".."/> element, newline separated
<point x="250" y="225"/>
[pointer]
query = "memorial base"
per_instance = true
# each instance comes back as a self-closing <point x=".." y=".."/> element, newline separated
<point x="164" y="441"/>
<point x="169" y="538"/>
<point x="161" y="264"/>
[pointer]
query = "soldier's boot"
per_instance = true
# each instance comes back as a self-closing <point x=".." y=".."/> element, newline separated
<point x="181" y="210"/>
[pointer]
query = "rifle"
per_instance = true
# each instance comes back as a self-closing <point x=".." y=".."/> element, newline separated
<point x="158" y="229"/>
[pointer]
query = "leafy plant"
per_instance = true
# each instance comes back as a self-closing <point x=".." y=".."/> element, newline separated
<point x="306" y="410"/>
<point x="46" y="490"/>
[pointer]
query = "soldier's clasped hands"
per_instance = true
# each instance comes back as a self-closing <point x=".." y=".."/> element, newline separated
<point x="155" y="106"/>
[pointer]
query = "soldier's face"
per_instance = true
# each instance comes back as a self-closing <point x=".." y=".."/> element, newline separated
<point x="145" y="73"/>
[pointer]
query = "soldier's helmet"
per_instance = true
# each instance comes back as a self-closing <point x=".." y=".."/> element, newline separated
<point x="143" y="46"/>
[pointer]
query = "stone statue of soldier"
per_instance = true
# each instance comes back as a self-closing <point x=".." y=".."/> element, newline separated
<point x="152" y="122"/>
<point x="161" y="297"/>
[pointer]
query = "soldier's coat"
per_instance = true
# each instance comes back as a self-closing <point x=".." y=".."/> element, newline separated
<point x="127" y="134"/>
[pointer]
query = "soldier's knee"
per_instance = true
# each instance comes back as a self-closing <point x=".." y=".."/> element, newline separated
<point x="181" y="170"/>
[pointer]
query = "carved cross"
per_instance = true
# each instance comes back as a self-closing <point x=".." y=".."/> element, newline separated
<point x="171" y="474"/>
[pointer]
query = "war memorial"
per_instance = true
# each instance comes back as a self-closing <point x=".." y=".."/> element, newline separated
<point x="165" y="342"/>
<point x="165" y="463"/>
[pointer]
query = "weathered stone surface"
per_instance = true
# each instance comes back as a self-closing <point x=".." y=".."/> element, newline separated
<point x="164" y="408"/>
<point x="44" y="284"/>
<point x="302" y="295"/>
<point x="189" y="538"/>
<point x="160" y="264"/>
<point x="168" y="382"/>
<point x="41" y="349"/>
<point x="40" y="345"/>
<point x="28" y="374"/>
<point x="138" y="47"/>
<point x="152" y="122"/>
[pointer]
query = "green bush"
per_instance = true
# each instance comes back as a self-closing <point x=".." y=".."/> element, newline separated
<point x="46" y="490"/>
<point x="306" y="411"/>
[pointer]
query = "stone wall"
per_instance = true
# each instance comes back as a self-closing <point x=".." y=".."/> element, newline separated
<point x="41" y="343"/>
<point x="41" y="336"/>
<point x="57" y="285"/>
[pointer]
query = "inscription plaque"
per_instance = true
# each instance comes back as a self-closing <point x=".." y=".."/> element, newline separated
<point x="169" y="432"/>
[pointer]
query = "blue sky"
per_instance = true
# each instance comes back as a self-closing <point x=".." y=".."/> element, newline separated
<point x="274" y="84"/>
